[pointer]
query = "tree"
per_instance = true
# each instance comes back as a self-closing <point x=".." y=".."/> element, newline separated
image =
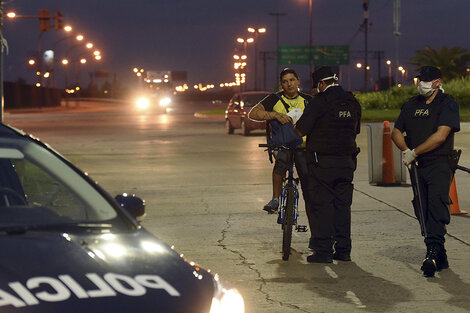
<point x="452" y="62"/>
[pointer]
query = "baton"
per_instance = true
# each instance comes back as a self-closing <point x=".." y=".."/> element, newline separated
<point x="462" y="168"/>
<point x="417" y="193"/>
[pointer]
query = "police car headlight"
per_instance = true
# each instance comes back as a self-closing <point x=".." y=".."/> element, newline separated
<point x="165" y="101"/>
<point x="226" y="299"/>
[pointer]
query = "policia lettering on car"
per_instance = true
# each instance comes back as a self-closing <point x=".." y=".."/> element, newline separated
<point x="65" y="286"/>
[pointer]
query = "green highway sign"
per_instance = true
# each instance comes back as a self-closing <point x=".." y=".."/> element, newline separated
<point x="319" y="55"/>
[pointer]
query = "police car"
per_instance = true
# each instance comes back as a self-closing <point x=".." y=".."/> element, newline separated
<point x="68" y="246"/>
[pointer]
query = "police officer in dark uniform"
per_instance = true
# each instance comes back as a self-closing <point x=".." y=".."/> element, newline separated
<point x="331" y="122"/>
<point x="430" y="121"/>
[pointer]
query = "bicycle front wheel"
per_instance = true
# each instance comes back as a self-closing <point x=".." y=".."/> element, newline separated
<point x="288" y="223"/>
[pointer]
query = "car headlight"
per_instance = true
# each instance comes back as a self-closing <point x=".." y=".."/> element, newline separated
<point x="226" y="299"/>
<point x="165" y="101"/>
<point x="142" y="103"/>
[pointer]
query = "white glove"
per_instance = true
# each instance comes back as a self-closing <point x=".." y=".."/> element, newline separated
<point x="408" y="156"/>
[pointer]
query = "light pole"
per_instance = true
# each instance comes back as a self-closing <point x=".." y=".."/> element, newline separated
<point x="402" y="70"/>
<point x="245" y="42"/>
<point x="396" y="32"/>
<point x="68" y="29"/>
<point x="65" y="63"/>
<point x="1" y="61"/>
<point x="256" y="31"/>
<point x="88" y="46"/>
<point x="365" y="5"/>
<point x="277" y="15"/>
<point x="310" y="40"/>
<point x="389" y="63"/>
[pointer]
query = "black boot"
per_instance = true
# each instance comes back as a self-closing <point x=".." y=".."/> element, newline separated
<point x="429" y="266"/>
<point x="320" y="258"/>
<point x="342" y="256"/>
<point x="442" y="262"/>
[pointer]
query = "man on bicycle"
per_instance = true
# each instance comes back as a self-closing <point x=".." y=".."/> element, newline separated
<point x="275" y="107"/>
<point x="331" y="122"/>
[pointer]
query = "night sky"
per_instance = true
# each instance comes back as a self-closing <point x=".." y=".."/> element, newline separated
<point x="199" y="36"/>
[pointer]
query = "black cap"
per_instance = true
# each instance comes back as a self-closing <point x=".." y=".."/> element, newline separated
<point x="321" y="73"/>
<point x="429" y="73"/>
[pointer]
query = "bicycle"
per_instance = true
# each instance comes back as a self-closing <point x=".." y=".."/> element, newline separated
<point x="288" y="214"/>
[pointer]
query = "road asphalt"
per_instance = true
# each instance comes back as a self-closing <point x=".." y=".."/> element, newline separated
<point x="388" y="249"/>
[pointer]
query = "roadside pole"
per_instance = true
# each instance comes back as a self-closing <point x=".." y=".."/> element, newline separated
<point x="2" y="42"/>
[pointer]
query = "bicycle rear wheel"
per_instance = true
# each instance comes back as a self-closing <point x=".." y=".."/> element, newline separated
<point x="288" y="223"/>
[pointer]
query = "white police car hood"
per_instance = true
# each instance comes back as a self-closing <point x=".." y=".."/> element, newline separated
<point x="45" y="271"/>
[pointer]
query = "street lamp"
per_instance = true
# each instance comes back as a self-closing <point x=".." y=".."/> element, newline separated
<point x="245" y="42"/>
<point x="78" y="38"/>
<point x="256" y="31"/>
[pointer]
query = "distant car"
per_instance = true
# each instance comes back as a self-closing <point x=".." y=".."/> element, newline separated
<point x="236" y="114"/>
<point x="158" y="102"/>
<point x="68" y="246"/>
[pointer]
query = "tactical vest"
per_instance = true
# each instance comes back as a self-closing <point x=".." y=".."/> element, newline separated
<point x="423" y="122"/>
<point x="335" y="132"/>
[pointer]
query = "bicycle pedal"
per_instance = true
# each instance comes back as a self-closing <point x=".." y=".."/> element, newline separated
<point x="301" y="228"/>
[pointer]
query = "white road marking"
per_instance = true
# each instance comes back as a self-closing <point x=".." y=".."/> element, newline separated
<point x="331" y="272"/>
<point x="352" y="296"/>
<point x="349" y="294"/>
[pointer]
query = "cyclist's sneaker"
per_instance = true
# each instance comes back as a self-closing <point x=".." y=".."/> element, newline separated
<point x="272" y="206"/>
<point x="320" y="258"/>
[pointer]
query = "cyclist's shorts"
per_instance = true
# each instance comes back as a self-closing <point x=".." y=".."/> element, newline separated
<point x="282" y="163"/>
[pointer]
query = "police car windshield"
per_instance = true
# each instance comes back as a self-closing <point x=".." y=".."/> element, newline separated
<point x="32" y="177"/>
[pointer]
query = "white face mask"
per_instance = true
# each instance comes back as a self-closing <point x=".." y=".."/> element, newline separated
<point x="425" y="88"/>
<point x="327" y="78"/>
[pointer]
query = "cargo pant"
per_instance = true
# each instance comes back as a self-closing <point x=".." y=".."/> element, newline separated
<point x="329" y="193"/>
<point x="434" y="182"/>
